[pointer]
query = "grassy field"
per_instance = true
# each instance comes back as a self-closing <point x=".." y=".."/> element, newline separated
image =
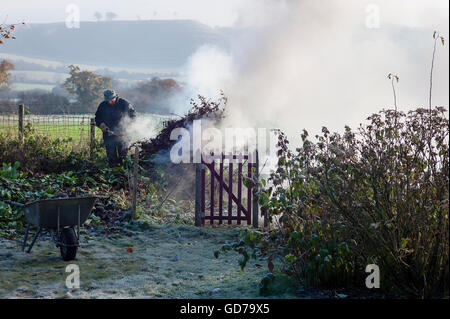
<point x="32" y="86"/>
<point x="74" y="127"/>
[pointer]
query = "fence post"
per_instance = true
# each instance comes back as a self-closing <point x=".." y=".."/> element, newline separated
<point x="135" y="179"/>
<point x="198" y="194"/>
<point x="21" y="118"/>
<point x="92" y="139"/>
<point x="255" y="207"/>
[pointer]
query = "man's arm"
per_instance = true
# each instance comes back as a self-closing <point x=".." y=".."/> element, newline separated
<point x="99" y="121"/>
<point x="98" y="116"/>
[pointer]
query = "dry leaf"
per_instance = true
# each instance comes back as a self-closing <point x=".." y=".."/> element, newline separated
<point x="270" y="266"/>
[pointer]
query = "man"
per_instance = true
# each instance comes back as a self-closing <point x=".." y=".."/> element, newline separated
<point x="113" y="115"/>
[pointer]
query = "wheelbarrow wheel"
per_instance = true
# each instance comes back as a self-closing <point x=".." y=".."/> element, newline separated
<point x="69" y="239"/>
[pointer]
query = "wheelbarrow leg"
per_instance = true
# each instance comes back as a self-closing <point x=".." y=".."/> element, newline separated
<point x="34" y="239"/>
<point x="26" y="237"/>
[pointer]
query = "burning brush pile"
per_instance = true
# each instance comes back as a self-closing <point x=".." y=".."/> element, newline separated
<point x="154" y="155"/>
<point x="202" y="109"/>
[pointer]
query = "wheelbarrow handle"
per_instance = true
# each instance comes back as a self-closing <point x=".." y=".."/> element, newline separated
<point x="10" y="202"/>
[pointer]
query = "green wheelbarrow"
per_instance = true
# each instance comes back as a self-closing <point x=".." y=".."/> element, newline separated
<point x="59" y="216"/>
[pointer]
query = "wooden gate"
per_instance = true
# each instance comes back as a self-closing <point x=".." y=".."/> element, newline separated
<point x="241" y="205"/>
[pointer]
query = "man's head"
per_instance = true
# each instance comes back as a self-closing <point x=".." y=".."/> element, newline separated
<point x="110" y="96"/>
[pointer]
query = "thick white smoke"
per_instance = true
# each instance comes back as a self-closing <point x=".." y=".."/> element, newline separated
<point x="305" y="64"/>
<point x="313" y="63"/>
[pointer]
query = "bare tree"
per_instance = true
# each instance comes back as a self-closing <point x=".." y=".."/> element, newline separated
<point x="98" y="16"/>
<point x="110" y="16"/>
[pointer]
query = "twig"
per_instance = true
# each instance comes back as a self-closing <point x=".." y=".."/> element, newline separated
<point x="259" y="173"/>
<point x="393" y="77"/>
<point x="436" y="36"/>
<point x="171" y="191"/>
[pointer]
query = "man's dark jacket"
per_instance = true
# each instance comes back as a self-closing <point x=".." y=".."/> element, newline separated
<point x="112" y="115"/>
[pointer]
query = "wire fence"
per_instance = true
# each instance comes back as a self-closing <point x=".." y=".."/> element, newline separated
<point x="77" y="130"/>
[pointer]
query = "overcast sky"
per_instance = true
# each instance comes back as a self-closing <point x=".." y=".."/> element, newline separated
<point x="212" y="12"/>
<point x="423" y="13"/>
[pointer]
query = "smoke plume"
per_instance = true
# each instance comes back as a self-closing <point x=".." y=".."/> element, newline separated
<point x="298" y="65"/>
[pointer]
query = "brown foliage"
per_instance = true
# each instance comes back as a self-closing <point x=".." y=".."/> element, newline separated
<point x="6" y="32"/>
<point x="5" y="76"/>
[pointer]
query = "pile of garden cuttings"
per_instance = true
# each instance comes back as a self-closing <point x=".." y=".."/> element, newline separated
<point x="154" y="155"/>
<point x="204" y="109"/>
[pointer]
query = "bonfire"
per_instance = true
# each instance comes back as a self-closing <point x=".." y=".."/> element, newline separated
<point x="203" y="109"/>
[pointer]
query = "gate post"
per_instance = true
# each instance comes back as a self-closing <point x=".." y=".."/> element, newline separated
<point x="21" y="118"/>
<point x="92" y="139"/>
<point x="255" y="208"/>
<point x="198" y="194"/>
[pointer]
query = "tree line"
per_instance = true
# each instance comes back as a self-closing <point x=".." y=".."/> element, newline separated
<point x="83" y="91"/>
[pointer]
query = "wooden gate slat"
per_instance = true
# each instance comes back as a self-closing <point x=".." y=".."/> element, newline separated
<point x="239" y="206"/>
<point x="249" y="195"/>
<point x="212" y="196"/>
<point x="203" y="194"/>
<point x="220" y="190"/>
<point x="230" y="191"/>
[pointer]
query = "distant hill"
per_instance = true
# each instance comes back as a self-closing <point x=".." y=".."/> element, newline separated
<point x="157" y="44"/>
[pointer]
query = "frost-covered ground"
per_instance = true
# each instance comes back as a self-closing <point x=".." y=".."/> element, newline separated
<point x="167" y="261"/>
